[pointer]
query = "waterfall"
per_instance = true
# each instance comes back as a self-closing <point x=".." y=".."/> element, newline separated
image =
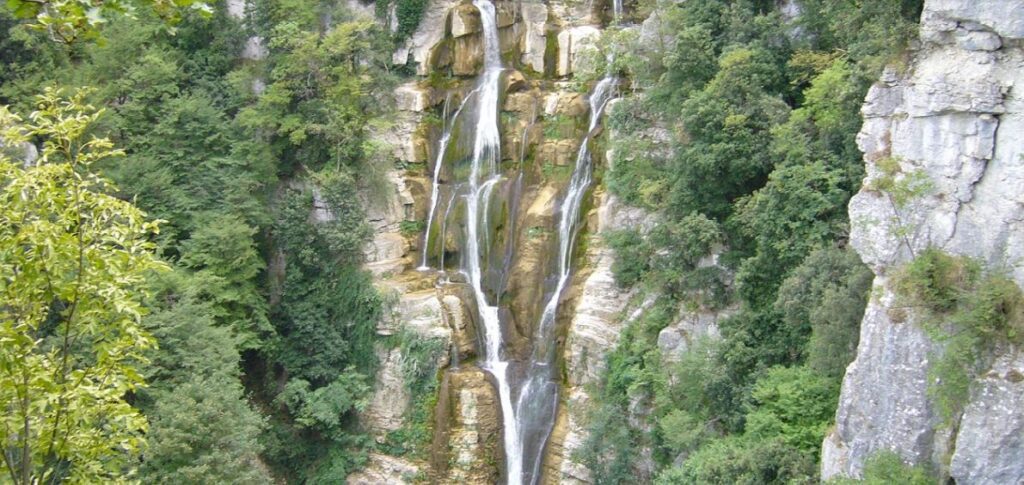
<point x="538" y="398"/>
<point x="527" y="389"/>
<point x="442" y="150"/>
<point x="483" y="176"/>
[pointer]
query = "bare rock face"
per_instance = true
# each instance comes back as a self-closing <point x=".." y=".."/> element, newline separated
<point x="385" y="469"/>
<point x="952" y="119"/>
<point x="571" y="45"/>
<point x="419" y="48"/>
<point x="426" y="315"/>
<point x="390" y="399"/>
<point x="475" y="428"/>
<point x="677" y="339"/>
<point x="602" y="311"/>
<point x="989" y="444"/>
<point x="533" y="42"/>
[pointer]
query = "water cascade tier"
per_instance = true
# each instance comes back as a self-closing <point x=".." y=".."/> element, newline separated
<point x="470" y="241"/>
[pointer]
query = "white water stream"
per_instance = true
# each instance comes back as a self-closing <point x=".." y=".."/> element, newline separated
<point x="442" y="150"/>
<point x="528" y="404"/>
<point x="483" y="176"/>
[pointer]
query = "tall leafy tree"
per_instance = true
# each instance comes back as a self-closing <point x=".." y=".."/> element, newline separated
<point x="72" y="262"/>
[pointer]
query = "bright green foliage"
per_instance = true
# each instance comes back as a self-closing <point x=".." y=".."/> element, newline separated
<point x="407" y="12"/>
<point x="738" y="460"/>
<point x="72" y="262"/>
<point x="632" y="256"/>
<point x="794" y="405"/>
<point x="885" y="468"/>
<point x="728" y="122"/>
<point x="223" y="255"/>
<point x="323" y="408"/>
<point x="328" y="312"/>
<point x="937" y="279"/>
<point x="67" y="21"/>
<point x="612" y="446"/>
<point x="799" y="209"/>
<point x="748" y="121"/>
<point x="319" y="95"/>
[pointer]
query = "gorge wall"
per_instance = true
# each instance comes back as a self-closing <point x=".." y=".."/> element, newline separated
<point x="953" y="114"/>
<point x="543" y="121"/>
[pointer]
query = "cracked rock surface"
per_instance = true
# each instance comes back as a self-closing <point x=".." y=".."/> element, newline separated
<point x="953" y="120"/>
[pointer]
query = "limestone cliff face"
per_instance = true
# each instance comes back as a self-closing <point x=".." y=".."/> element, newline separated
<point x="954" y="116"/>
<point x="541" y="45"/>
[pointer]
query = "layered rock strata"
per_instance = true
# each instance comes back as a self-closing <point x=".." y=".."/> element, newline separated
<point x="952" y="118"/>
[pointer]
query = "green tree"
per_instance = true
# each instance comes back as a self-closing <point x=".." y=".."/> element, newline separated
<point x="795" y="405"/>
<point x="202" y="429"/>
<point x="67" y="21"/>
<point x="824" y="298"/>
<point x="801" y="207"/>
<point x="728" y="122"/>
<point x="73" y="260"/>
<point x="739" y="460"/>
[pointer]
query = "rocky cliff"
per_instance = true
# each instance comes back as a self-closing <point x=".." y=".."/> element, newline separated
<point x="541" y="45"/>
<point x="952" y="116"/>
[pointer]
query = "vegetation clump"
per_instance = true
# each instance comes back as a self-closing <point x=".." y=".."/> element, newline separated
<point x="969" y="311"/>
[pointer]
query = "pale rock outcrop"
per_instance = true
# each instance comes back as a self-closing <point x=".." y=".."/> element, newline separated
<point x="385" y="469"/>
<point x="386" y="246"/>
<point x="989" y="444"/>
<point x="533" y="42"/>
<point x="601" y="314"/>
<point x="572" y="43"/>
<point x="431" y="31"/>
<point x="411" y="97"/>
<point x="953" y="118"/>
<point x="692" y="326"/>
<point x="390" y="399"/>
<point x="424" y="315"/>
<point x="474" y="427"/>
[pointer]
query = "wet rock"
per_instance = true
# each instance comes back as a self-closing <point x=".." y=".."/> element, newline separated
<point x="514" y="81"/>
<point x="522" y="102"/>
<point x="465" y="20"/>
<point x="559" y="152"/>
<point x="462" y="323"/>
<point x="474" y="429"/>
<point x="468" y="55"/>
<point x="411" y="97"/>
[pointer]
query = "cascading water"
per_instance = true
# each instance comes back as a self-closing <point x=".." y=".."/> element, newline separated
<point x="483" y="176"/>
<point x="538" y="397"/>
<point x="442" y="150"/>
<point x="527" y="390"/>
